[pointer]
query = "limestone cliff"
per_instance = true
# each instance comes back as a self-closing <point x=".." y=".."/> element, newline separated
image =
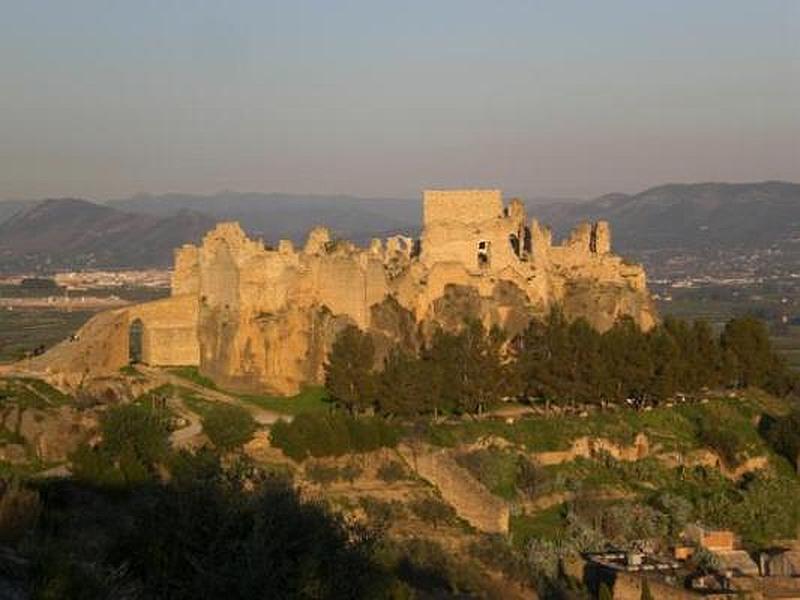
<point x="258" y="318"/>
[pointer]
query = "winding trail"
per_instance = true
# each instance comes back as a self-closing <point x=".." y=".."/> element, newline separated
<point x="185" y="436"/>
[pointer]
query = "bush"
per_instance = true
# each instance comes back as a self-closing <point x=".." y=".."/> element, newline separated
<point x="135" y="441"/>
<point x="228" y="426"/>
<point x="136" y="430"/>
<point x="783" y="435"/>
<point x="318" y="435"/>
<point x="199" y="539"/>
<point x="322" y="474"/>
<point x="380" y="512"/>
<point x="724" y="441"/>
<point x="392" y="471"/>
<point x="432" y="510"/>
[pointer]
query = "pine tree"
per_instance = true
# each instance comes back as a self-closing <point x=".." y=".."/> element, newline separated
<point x="348" y="372"/>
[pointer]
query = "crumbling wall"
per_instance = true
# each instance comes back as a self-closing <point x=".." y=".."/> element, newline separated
<point x="170" y="330"/>
<point x="186" y="272"/>
<point x="471" y="501"/>
<point x="262" y="319"/>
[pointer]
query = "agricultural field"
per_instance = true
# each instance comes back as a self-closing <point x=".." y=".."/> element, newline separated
<point x="24" y="328"/>
<point x="777" y="305"/>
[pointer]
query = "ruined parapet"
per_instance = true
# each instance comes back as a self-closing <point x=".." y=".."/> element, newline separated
<point x="461" y="206"/>
<point x="590" y="238"/>
<point x="579" y="238"/>
<point x="318" y="240"/>
<point x="541" y="239"/>
<point x="285" y="247"/>
<point x="516" y="211"/>
<point x="399" y="246"/>
<point x="186" y="274"/>
<point x="470" y="499"/>
<point x="602" y="237"/>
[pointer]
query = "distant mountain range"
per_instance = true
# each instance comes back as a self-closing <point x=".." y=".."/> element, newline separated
<point x="288" y="216"/>
<point x="690" y="216"/>
<point x="143" y="230"/>
<point x="68" y="233"/>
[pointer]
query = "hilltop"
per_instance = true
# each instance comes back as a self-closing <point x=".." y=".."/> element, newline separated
<point x="71" y="233"/>
<point x="702" y="215"/>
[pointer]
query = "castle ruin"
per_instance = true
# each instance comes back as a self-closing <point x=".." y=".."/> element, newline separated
<point x="256" y="318"/>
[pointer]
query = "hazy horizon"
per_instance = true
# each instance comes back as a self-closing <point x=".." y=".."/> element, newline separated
<point x="562" y="100"/>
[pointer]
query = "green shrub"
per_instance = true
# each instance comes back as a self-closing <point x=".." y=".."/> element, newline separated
<point x="322" y="474"/>
<point x="392" y="471"/>
<point x="432" y="510"/>
<point x="227" y="426"/>
<point x="379" y="511"/>
<point x="722" y="440"/>
<point x="135" y="441"/>
<point x="318" y="434"/>
<point x="138" y="430"/>
<point x="193" y="374"/>
<point x="350" y="472"/>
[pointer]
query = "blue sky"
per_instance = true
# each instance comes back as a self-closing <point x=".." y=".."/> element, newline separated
<point x="562" y="98"/>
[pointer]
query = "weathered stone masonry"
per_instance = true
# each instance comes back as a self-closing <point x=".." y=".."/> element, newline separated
<point x="257" y="318"/>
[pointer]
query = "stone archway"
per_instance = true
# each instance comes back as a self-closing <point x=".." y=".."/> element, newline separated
<point x="136" y="341"/>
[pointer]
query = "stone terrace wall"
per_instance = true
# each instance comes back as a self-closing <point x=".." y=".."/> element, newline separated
<point x="462" y="491"/>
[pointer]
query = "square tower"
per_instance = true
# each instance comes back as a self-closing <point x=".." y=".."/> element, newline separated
<point x="468" y="207"/>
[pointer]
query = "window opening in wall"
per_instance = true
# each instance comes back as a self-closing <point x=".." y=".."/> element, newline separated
<point x="593" y="239"/>
<point x="135" y="335"/>
<point x="483" y="253"/>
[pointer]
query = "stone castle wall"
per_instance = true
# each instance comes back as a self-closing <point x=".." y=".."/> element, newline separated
<point x="256" y="318"/>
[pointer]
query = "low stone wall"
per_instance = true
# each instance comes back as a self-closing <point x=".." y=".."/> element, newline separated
<point x="470" y="499"/>
<point x="587" y="447"/>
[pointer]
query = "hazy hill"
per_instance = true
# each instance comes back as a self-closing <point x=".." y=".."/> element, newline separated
<point x="143" y="230"/>
<point x="66" y="233"/>
<point x="691" y="216"/>
<point x="9" y="208"/>
<point x="276" y="216"/>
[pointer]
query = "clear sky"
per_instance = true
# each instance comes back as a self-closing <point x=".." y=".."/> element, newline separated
<point x="108" y="98"/>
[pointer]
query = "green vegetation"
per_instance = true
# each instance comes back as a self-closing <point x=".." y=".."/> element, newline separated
<point x="193" y="374"/>
<point x="227" y="426"/>
<point x="348" y="372"/>
<point x="199" y="536"/>
<point x="31" y="393"/>
<point x="332" y="434"/>
<point x="310" y="399"/>
<point x="432" y="510"/>
<point x="503" y="472"/>
<point x="135" y="443"/>
<point x="22" y="330"/>
<point x="681" y="427"/>
<point x="555" y="362"/>
<point x="325" y="474"/>
<point x="392" y="471"/>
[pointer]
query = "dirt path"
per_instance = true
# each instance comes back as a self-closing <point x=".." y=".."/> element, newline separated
<point x="261" y="415"/>
<point x="185" y="436"/>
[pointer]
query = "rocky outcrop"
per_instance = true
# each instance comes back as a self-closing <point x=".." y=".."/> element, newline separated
<point x="258" y="318"/>
<point x="48" y="435"/>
